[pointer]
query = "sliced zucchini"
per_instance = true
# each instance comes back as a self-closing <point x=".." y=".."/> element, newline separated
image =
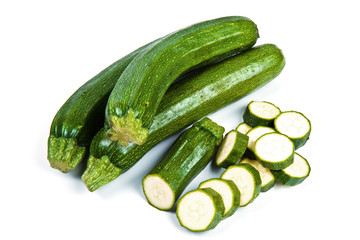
<point x="294" y="125"/>
<point x="253" y="135"/>
<point x="274" y="151"/>
<point x="267" y="178"/>
<point x="243" y="128"/>
<point x="294" y="174"/>
<point x="247" y="179"/>
<point x="229" y="192"/>
<point x="200" y="209"/>
<point x="260" y="113"/>
<point x="231" y="149"/>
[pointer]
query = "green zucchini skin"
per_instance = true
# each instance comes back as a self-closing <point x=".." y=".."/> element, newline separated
<point x="131" y="110"/>
<point x="190" y="99"/>
<point x="188" y="156"/>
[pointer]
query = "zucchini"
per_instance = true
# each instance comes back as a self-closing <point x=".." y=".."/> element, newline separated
<point x="294" y="125"/>
<point x="253" y="135"/>
<point x="294" y="174"/>
<point x="231" y="149"/>
<point x="134" y="101"/>
<point x="187" y="101"/>
<point x="82" y="116"/>
<point x="247" y="179"/>
<point x="267" y="178"/>
<point x="260" y="113"/>
<point x="184" y="160"/>
<point x="243" y="128"/>
<point x="200" y="209"/>
<point x="274" y="151"/>
<point x="229" y="192"/>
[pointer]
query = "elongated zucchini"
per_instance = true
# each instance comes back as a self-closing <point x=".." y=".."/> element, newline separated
<point x="260" y="113"/>
<point x="82" y="116"/>
<point x="184" y="160"/>
<point x="187" y="101"/>
<point x="133" y="103"/>
<point x="200" y="210"/>
<point x="267" y="178"/>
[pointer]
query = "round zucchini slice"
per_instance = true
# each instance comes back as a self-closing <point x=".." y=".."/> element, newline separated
<point x="267" y="178"/>
<point x="243" y="128"/>
<point x="260" y="113"/>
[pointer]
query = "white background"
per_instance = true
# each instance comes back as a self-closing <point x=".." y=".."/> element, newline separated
<point x="50" y="48"/>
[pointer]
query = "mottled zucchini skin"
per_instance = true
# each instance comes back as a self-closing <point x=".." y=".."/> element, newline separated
<point x="135" y="99"/>
<point x="194" y="97"/>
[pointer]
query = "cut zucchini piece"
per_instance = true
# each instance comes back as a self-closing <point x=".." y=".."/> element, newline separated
<point x="267" y="178"/>
<point x="260" y="113"/>
<point x="231" y="149"/>
<point x="229" y="192"/>
<point x="274" y="151"/>
<point x="247" y="179"/>
<point x="294" y="125"/>
<point x="294" y="174"/>
<point x="253" y="135"/>
<point x="243" y="128"/>
<point x="200" y="209"/>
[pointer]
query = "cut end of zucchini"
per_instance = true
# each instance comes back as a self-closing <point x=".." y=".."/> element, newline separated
<point x="158" y="192"/>
<point x="127" y="129"/>
<point x="99" y="171"/>
<point x="64" y="154"/>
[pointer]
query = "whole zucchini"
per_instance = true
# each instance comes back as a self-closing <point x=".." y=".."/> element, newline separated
<point x="185" y="102"/>
<point x="133" y="103"/>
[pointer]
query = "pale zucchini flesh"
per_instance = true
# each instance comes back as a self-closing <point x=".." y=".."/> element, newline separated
<point x="243" y="128"/>
<point x="158" y="192"/>
<point x="253" y="135"/>
<point x="260" y="113"/>
<point x="267" y="178"/>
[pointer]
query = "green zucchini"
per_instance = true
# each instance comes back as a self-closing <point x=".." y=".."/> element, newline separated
<point x="253" y="135"/>
<point x="231" y="149"/>
<point x="294" y="174"/>
<point x="247" y="179"/>
<point x="228" y="191"/>
<point x="294" y="125"/>
<point x="274" y="151"/>
<point x="243" y="128"/>
<point x="260" y="113"/>
<point x="267" y="178"/>
<point x="187" y="101"/>
<point x="134" y="101"/>
<point x="82" y="116"/>
<point x="184" y="160"/>
<point x="200" y="210"/>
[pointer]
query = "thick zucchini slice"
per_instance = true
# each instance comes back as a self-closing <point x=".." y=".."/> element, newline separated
<point x="274" y="151"/>
<point x="231" y="149"/>
<point x="243" y="128"/>
<point x="294" y="174"/>
<point x="247" y="179"/>
<point x="229" y="192"/>
<point x="134" y="101"/>
<point x="267" y="178"/>
<point x="253" y="135"/>
<point x="200" y="210"/>
<point x="260" y="113"/>
<point x="185" y="159"/>
<point x="188" y="100"/>
<point x="294" y="125"/>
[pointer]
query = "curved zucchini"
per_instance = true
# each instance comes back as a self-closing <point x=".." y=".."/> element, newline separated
<point x="187" y="101"/>
<point x="184" y="160"/>
<point x="133" y="103"/>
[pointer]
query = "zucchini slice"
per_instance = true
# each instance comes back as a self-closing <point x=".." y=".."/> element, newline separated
<point x="247" y="179"/>
<point x="200" y="209"/>
<point x="231" y="149"/>
<point x="294" y="125"/>
<point x="189" y="154"/>
<point x="260" y="113"/>
<point x="243" y="128"/>
<point x="267" y="178"/>
<point x="294" y="174"/>
<point x="229" y="192"/>
<point x="253" y="135"/>
<point x="274" y="151"/>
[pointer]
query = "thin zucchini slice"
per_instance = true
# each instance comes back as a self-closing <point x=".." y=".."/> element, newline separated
<point x="229" y="192"/>
<point x="243" y="128"/>
<point x="267" y="178"/>
<point x="294" y="174"/>
<point x="231" y="149"/>
<point x="274" y="151"/>
<point x="247" y="179"/>
<point x="200" y="209"/>
<point x="253" y="135"/>
<point x="294" y="125"/>
<point x="260" y="113"/>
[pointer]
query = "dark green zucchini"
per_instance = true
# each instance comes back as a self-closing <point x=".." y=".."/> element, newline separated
<point x="187" y="101"/>
<point x="134" y="101"/>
